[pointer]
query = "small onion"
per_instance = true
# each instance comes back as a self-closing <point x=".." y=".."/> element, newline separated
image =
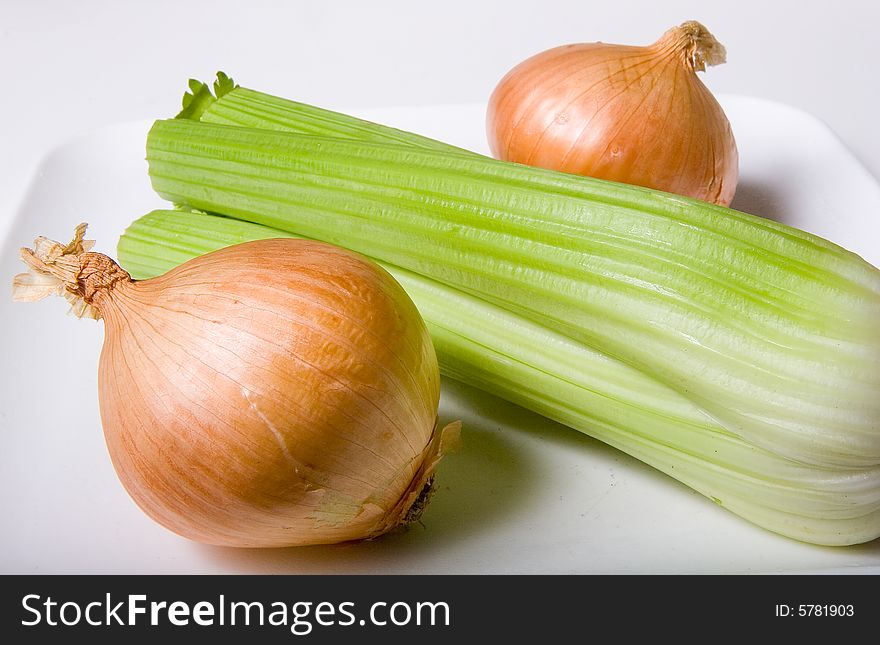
<point x="273" y="393"/>
<point x="637" y="115"/>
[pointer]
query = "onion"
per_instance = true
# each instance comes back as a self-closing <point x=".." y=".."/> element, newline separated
<point x="637" y="115"/>
<point x="273" y="393"/>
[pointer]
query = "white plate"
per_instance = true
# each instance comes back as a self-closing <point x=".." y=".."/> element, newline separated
<point x="524" y="496"/>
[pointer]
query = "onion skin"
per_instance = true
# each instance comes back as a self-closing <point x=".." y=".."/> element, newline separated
<point x="274" y="393"/>
<point x="637" y="115"/>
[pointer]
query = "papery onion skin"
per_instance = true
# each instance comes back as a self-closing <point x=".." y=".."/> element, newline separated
<point x="273" y="393"/>
<point x="636" y="115"/>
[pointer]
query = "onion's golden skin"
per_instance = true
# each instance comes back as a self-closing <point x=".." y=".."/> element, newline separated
<point x="274" y="393"/>
<point x="636" y="115"/>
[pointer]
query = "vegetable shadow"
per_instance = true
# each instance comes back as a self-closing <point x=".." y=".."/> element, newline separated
<point x="477" y="488"/>
<point x="763" y="199"/>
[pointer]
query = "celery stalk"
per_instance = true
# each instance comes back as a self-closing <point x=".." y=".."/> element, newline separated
<point x="770" y="330"/>
<point x="526" y="363"/>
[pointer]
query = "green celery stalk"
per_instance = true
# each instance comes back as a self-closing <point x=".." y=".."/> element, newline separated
<point x="770" y="330"/>
<point x="498" y="351"/>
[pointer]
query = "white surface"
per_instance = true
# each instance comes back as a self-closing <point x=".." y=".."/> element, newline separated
<point x="524" y="496"/>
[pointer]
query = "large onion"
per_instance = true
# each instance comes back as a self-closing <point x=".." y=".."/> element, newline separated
<point x="638" y="115"/>
<point x="280" y="392"/>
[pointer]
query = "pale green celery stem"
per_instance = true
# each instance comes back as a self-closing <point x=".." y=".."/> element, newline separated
<point x="771" y="330"/>
<point x="497" y="351"/>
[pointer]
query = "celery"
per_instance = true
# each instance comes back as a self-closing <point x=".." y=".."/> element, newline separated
<point x="526" y="363"/>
